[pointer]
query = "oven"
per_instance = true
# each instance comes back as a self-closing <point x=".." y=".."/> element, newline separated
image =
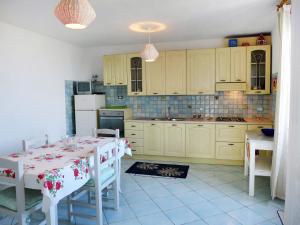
<point x="112" y="119"/>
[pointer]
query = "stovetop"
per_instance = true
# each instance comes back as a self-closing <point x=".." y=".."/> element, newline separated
<point x="230" y="119"/>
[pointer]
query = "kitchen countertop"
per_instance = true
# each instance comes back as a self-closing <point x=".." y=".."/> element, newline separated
<point x="248" y="121"/>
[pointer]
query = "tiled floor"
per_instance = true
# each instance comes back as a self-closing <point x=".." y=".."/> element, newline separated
<point x="210" y="195"/>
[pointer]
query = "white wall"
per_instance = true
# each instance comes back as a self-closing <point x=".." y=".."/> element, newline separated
<point x="33" y="69"/>
<point x="93" y="55"/>
<point x="292" y="215"/>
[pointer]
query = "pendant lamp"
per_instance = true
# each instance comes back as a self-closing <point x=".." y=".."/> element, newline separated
<point x="149" y="54"/>
<point x="75" y="14"/>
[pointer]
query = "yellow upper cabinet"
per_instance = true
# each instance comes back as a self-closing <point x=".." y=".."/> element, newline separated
<point x="108" y="77"/>
<point x="156" y="75"/>
<point x="258" y="69"/>
<point x="119" y="69"/>
<point x="223" y="65"/>
<point x="176" y="72"/>
<point x="201" y="71"/>
<point x="114" y="70"/>
<point x="136" y="75"/>
<point x="238" y="64"/>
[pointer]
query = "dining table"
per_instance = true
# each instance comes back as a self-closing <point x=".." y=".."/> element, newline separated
<point x="59" y="169"/>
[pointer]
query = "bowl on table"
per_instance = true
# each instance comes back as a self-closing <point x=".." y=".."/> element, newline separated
<point x="268" y="132"/>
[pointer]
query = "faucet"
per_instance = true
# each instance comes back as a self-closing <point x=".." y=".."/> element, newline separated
<point x="169" y="113"/>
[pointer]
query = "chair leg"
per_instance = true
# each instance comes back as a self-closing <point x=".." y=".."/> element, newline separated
<point x="70" y="209"/>
<point x="99" y="213"/>
<point x="119" y="175"/>
<point x="116" y="195"/>
<point x="22" y="219"/>
<point x="251" y="184"/>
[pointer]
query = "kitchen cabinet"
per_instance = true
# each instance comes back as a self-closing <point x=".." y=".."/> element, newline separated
<point x="108" y="78"/>
<point x="153" y="138"/>
<point x="230" y="151"/>
<point x="200" y="140"/>
<point x="176" y="72"/>
<point x="230" y="132"/>
<point x="156" y="76"/>
<point x="238" y="64"/>
<point x="258" y="127"/>
<point x="223" y="65"/>
<point x="258" y="69"/>
<point x="201" y="71"/>
<point x="114" y="70"/>
<point x="136" y="141"/>
<point x="174" y="139"/>
<point x="136" y="75"/>
<point x="119" y="69"/>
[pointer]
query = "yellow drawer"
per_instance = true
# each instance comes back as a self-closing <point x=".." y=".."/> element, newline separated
<point x="134" y="126"/>
<point x="259" y="126"/>
<point x="134" y="134"/>
<point x="230" y="151"/>
<point x="230" y="132"/>
<point x="136" y="142"/>
<point x="137" y="150"/>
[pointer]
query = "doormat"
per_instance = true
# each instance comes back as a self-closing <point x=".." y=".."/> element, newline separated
<point x="157" y="169"/>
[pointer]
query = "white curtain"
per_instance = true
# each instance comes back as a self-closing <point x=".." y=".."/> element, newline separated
<point x="282" y="106"/>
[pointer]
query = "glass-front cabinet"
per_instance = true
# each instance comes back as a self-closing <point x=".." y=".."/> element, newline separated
<point x="258" y="69"/>
<point x="136" y="75"/>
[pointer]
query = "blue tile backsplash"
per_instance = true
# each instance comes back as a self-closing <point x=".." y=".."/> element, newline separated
<point x="231" y="103"/>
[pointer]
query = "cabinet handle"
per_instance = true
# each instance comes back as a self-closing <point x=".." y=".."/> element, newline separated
<point x="175" y="93"/>
<point x="155" y="93"/>
<point x="120" y="83"/>
<point x="133" y="134"/>
<point x="231" y="126"/>
<point x="136" y="93"/>
<point x="132" y="125"/>
<point x="153" y="124"/>
<point x="174" y="125"/>
<point x="260" y="127"/>
<point x="200" y="92"/>
<point x="133" y="150"/>
<point x="231" y="144"/>
<point x="200" y="125"/>
<point x="238" y="80"/>
<point x="258" y="92"/>
<point x="133" y="142"/>
<point x="222" y="80"/>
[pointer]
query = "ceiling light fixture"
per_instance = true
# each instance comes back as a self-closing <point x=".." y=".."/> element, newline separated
<point x="149" y="54"/>
<point x="75" y="14"/>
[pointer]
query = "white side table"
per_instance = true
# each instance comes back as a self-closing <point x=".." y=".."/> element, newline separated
<point x="258" y="166"/>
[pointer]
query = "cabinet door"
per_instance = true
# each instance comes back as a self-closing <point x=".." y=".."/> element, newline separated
<point x="201" y="71"/>
<point x="156" y="76"/>
<point x="238" y="64"/>
<point x="119" y="69"/>
<point x="176" y="72"/>
<point x="200" y="140"/>
<point x="258" y="127"/>
<point x="231" y="132"/>
<point x="153" y="139"/>
<point x="223" y="65"/>
<point x="174" y="139"/>
<point x="258" y="69"/>
<point x="136" y="75"/>
<point x="230" y="151"/>
<point x="108" y="78"/>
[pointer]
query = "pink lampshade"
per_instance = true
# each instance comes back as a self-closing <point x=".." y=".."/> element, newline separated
<point x="75" y="14"/>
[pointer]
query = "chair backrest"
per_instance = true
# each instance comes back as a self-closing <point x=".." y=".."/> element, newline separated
<point x="35" y="142"/>
<point x="14" y="176"/>
<point x="106" y="132"/>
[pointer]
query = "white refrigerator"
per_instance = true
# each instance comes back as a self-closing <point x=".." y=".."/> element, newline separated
<point x="86" y="113"/>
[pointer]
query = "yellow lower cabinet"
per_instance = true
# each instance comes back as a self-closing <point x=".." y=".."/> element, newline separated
<point x="174" y="144"/>
<point x="200" y="140"/>
<point x="153" y="138"/>
<point x="230" y="132"/>
<point x="134" y="134"/>
<point x="229" y="151"/>
<point x="259" y="127"/>
<point x="136" y="145"/>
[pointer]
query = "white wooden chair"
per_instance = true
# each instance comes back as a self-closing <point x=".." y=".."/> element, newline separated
<point x="35" y="142"/>
<point x="106" y="174"/>
<point x="15" y="200"/>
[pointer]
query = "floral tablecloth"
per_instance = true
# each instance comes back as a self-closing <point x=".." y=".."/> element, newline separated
<point x="58" y="170"/>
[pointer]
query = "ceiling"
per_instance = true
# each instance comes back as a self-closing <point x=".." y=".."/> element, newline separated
<point x="185" y="19"/>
